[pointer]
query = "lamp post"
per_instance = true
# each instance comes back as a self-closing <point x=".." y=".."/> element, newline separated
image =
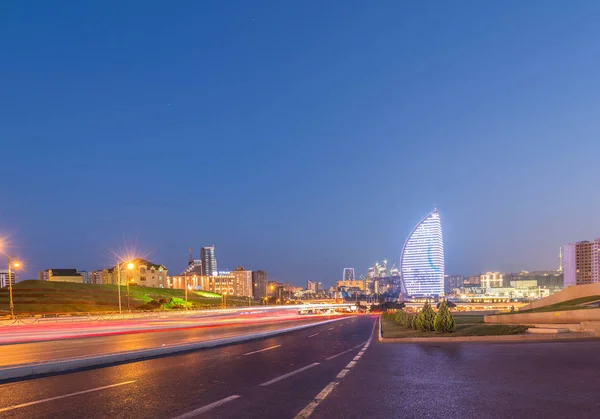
<point x="186" y="290"/>
<point x="12" y="263"/>
<point x="130" y="267"/>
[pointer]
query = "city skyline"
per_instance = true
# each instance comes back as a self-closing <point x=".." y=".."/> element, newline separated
<point x="488" y="112"/>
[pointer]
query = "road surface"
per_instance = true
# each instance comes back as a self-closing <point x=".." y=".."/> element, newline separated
<point x="274" y="377"/>
<point x="44" y="351"/>
<point x="281" y="376"/>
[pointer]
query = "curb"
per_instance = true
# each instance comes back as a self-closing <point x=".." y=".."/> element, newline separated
<point x="28" y="370"/>
<point x="497" y="339"/>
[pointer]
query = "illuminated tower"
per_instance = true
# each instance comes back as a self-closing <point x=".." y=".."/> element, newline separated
<point x="209" y="261"/>
<point x="422" y="260"/>
<point x="560" y="260"/>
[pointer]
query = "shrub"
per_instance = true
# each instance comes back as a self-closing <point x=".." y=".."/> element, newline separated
<point x="444" y="321"/>
<point x="150" y="305"/>
<point x="424" y="320"/>
<point x="178" y="304"/>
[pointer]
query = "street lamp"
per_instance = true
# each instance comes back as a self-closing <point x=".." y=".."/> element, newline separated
<point x="12" y="263"/>
<point x="130" y="267"/>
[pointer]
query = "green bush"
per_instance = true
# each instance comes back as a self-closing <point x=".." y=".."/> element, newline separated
<point x="424" y="320"/>
<point x="178" y="304"/>
<point x="444" y="321"/>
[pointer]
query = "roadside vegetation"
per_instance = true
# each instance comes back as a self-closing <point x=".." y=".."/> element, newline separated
<point x="428" y="323"/>
<point x="40" y="297"/>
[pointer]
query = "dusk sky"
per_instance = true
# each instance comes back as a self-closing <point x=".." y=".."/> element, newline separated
<point x="300" y="137"/>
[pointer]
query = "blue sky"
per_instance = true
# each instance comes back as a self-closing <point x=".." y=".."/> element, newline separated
<point x="298" y="137"/>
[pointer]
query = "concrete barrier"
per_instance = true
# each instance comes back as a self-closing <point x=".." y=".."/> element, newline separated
<point x="72" y="364"/>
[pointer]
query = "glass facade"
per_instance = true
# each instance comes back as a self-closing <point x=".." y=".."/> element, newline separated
<point x="422" y="260"/>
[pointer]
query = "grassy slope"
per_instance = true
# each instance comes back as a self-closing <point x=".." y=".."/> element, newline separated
<point x="392" y="329"/>
<point x="63" y="297"/>
<point x="576" y="304"/>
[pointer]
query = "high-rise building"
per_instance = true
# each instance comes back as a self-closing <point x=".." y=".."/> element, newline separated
<point x="491" y="280"/>
<point x="581" y="263"/>
<point x="259" y="284"/>
<point x="422" y="260"/>
<point x="209" y="261"/>
<point x="4" y="277"/>
<point x="348" y="274"/>
<point x="312" y="286"/>
<point x="242" y="281"/>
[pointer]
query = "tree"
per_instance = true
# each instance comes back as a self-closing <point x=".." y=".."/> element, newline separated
<point x="424" y="320"/>
<point x="444" y="321"/>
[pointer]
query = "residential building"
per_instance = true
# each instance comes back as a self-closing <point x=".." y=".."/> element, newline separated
<point x="86" y="277"/>
<point x="209" y="261"/>
<point x="242" y="282"/>
<point x="348" y="274"/>
<point x="143" y="273"/>
<point x="581" y="263"/>
<point x="61" y="275"/>
<point x="422" y="260"/>
<point x="97" y="277"/>
<point x="4" y="277"/>
<point x="491" y="280"/>
<point x="259" y="284"/>
<point x="312" y="286"/>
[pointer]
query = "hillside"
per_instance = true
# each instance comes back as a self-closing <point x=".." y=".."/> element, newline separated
<point x="63" y="297"/>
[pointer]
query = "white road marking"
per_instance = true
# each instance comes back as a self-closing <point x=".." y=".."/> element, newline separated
<point x="313" y="335"/>
<point x="342" y="373"/>
<point x="331" y="328"/>
<point x="18" y="406"/>
<point x="360" y="344"/>
<point x="208" y="407"/>
<point x="262" y="350"/>
<point x="308" y="410"/>
<point x="340" y="354"/>
<point x="289" y="374"/>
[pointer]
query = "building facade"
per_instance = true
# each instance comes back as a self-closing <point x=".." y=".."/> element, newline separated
<point x="491" y="280"/>
<point x="312" y="286"/>
<point x="581" y="263"/>
<point x="4" y="278"/>
<point x="61" y="275"/>
<point x="86" y="277"/>
<point x="242" y="282"/>
<point x="422" y="260"/>
<point x="143" y="273"/>
<point x="259" y="284"/>
<point x="348" y="274"/>
<point x="351" y="284"/>
<point x="453" y="282"/>
<point x="209" y="261"/>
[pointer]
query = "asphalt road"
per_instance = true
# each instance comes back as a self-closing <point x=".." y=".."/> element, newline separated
<point x="16" y="354"/>
<point x="520" y="380"/>
<point x="269" y="378"/>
